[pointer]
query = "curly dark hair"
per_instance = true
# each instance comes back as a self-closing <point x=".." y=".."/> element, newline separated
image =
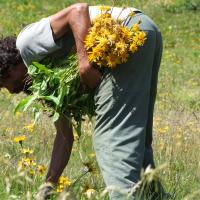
<point x="9" y="54"/>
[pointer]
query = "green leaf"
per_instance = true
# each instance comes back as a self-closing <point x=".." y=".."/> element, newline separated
<point x="50" y="98"/>
<point x="24" y="104"/>
<point x="42" y="67"/>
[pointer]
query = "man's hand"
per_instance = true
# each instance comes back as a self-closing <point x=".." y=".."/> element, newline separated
<point x="89" y="75"/>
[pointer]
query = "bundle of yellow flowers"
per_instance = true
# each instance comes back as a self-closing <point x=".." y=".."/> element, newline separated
<point x="109" y="41"/>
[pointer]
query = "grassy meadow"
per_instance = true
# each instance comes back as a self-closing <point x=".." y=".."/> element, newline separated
<point x="176" y="120"/>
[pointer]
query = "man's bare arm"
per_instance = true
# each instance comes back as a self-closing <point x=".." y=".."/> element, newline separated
<point x="61" y="150"/>
<point x="76" y="18"/>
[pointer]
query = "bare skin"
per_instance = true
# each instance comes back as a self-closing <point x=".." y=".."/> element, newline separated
<point x="61" y="150"/>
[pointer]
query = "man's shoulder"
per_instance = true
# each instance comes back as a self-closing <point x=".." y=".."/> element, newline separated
<point x="35" y="41"/>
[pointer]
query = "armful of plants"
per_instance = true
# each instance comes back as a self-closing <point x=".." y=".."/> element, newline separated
<point x="76" y="18"/>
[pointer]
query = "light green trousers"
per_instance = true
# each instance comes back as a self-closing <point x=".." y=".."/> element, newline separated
<point x="124" y="106"/>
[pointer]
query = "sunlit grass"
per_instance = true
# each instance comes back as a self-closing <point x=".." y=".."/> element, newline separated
<point x="177" y="111"/>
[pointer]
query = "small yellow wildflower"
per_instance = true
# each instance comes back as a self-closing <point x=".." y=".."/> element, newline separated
<point x="133" y="47"/>
<point x="111" y="60"/>
<point x="105" y="8"/>
<point x="124" y="57"/>
<point x="163" y="129"/>
<point x="135" y="27"/>
<point x="41" y="169"/>
<point x="27" y="151"/>
<point x="30" y="127"/>
<point x="62" y="183"/>
<point x="141" y="38"/>
<point x="20" y="139"/>
<point x="26" y="162"/>
<point x="112" y="38"/>
<point x="65" y="181"/>
<point x="60" y="188"/>
<point x="126" y="34"/>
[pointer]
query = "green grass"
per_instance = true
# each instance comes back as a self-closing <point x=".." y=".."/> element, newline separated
<point x="177" y="111"/>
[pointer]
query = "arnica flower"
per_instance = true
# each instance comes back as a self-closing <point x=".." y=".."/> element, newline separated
<point x="133" y="47"/>
<point x="135" y="27"/>
<point x="105" y="8"/>
<point x="20" y="139"/>
<point x="30" y="127"/>
<point x="63" y="182"/>
<point x="26" y="162"/>
<point x="27" y="151"/>
<point x="41" y="169"/>
<point x="163" y="130"/>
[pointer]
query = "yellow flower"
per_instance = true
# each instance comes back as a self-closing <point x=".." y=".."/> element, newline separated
<point x="163" y="129"/>
<point x="133" y="47"/>
<point x="105" y="8"/>
<point x="65" y="181"/>
<point x="62" y="183"/>
<point x="89" y="42"/>
<point x="103" y="42"/>
<point x="141" y="38"/>
<point x="112" y="38"/>
<point x="95" y="54"/>
<point x="60" y="188"/>
<point x="124" y="57"/>
<point x="30" y="127"/>
<point x="26" y="162"/>
<point x="20" y="139"/>
<point x="126" y="34"/>
<point x="121" y="48"/>
<point x="135" y="27"/>
<point x="41" y="169"/>
<point x="111" y="60"/>
<point x="27" y="151"/>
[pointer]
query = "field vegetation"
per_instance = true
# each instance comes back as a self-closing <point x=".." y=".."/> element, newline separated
<point x="24" y="161"/>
